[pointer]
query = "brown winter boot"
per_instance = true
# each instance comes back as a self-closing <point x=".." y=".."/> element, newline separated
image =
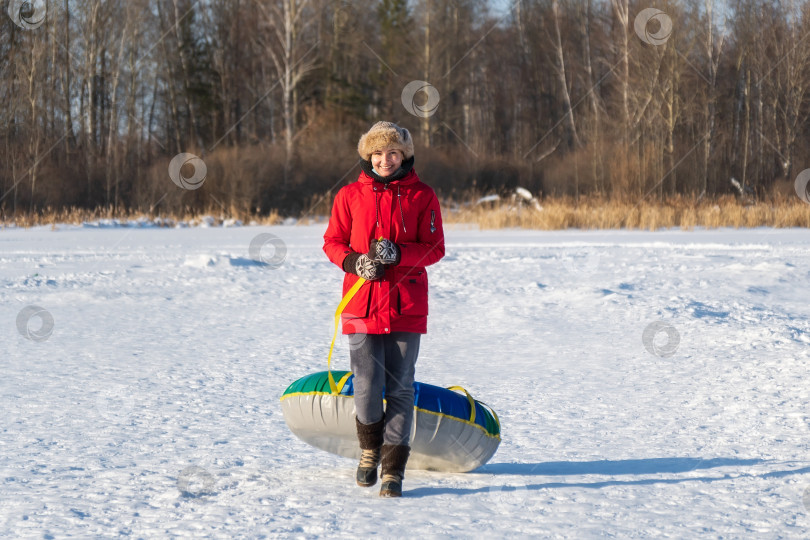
<point x="394" y="459"/>
<point x="370" y="437"/>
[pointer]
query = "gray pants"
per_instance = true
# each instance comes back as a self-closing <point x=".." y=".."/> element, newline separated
<point x="385" y="360"/>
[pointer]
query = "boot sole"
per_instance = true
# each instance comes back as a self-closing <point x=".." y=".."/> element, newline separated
<point x="386" y="491"/>
<point x="371" y="478"/>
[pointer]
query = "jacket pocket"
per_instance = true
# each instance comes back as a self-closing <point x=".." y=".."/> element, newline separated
<point x="358" y="306"/>
<point x="413" y="295"/>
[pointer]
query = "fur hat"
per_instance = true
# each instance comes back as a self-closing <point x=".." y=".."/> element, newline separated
<point x="385" y="135"/>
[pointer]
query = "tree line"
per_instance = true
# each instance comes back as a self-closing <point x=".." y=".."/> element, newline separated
<point x="611" y="98"/>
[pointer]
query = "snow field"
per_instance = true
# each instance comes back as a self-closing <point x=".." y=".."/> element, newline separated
<point x="151" y="410"/>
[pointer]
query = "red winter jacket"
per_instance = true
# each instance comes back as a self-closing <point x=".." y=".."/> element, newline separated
<point x="405" y="211"/>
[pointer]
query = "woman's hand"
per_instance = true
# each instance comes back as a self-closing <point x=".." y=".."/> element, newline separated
<point x="384" y="251"/>
<point x="363" y="266"/>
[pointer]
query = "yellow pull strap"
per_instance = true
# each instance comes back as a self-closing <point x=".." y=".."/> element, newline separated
<point x="342" y="382"/>
<point x="349" y="295"/>
<point x="472" y="406"/>
<point x="494" y="415"/>
<point x="469" y="398"/>
<point x="346" y="299"/>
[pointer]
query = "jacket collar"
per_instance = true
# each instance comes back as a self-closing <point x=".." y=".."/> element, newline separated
<point x="410" y="178"/>
<point x="398" y="177"/>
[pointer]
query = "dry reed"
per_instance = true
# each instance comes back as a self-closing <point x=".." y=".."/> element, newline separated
<point x="557" y="213"/>
<point x="678" y="212"/>
<point x="77" y="216"/>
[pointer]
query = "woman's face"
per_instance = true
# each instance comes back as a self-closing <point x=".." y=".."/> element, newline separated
<point x="386" y="162"/>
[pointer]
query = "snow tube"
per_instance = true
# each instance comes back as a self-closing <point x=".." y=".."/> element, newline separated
<point x="451" y="432"/>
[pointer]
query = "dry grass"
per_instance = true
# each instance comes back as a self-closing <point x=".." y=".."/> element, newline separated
<point x="592" y="213"/>
<point x="77" y="216"/>
<point x="556" y="213"/>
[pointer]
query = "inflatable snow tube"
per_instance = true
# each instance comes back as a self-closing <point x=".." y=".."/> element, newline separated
<point x="451" y="432"/>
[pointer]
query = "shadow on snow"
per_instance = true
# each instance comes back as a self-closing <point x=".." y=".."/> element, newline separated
<point x="610" y="468"/>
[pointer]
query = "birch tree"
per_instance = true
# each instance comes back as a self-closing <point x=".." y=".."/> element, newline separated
<point x="285" y="42"/>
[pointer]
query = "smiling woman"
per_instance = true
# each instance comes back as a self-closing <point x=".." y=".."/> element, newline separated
<point x="384" y="230"/>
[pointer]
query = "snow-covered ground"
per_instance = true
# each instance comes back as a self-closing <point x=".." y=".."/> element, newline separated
<point x="143" y="399"/>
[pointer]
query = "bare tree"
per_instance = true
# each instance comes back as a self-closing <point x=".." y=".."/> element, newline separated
<point x="793" y="80"/>
<point x="621" y="9"/>
<point x="32" y="72"/>
<point x="713" y="49"/>
<point x="292" y="60"/>
<point x="573" y="138"/>
<point x="585" y="31"/>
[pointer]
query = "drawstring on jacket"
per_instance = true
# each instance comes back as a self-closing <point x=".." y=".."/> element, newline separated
<point x="377" y="208"/>
<point x="399" y="200"/>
